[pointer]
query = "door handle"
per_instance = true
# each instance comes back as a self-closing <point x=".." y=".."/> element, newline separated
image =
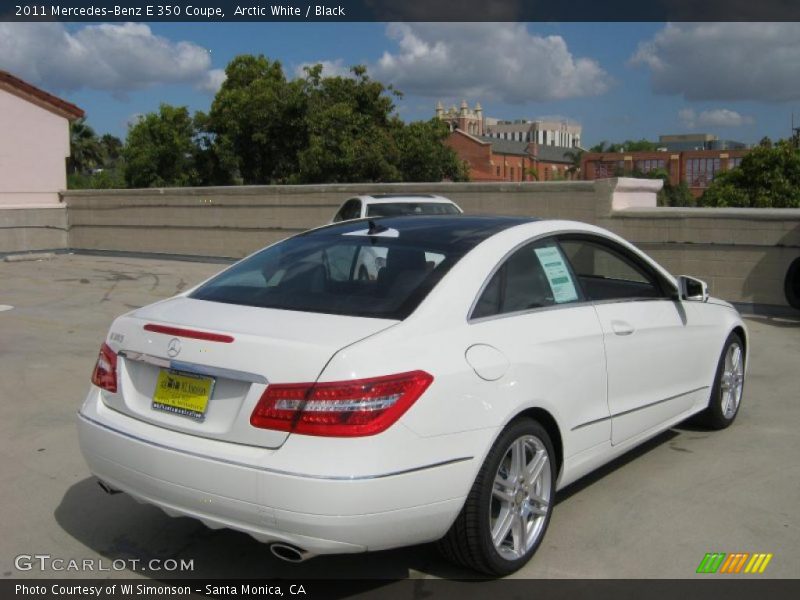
<point x="622" y="328"/>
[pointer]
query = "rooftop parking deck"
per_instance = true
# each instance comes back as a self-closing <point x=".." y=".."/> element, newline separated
<point x="653" y="513"/>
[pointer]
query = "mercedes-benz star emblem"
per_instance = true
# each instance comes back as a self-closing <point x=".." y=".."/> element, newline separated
<point x="174" y="347"/>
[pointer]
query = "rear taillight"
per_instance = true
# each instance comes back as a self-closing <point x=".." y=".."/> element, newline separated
<point x="105" y="371"/>
<point x="340" y="408"/>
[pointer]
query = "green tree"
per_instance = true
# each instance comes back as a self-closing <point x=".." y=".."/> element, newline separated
<point x="669" y="195"/>
<point x="161" y="149"/>
<point x="86" y="152"/>
<point x="766" y="178"/>
<point x="574" y="157"/>
<point x="257" y="123"/>
<point x="105" y="179"/>
<point x="215" y="162"/>
<point x="349" y="129"/>
<point x="111" y="149"/>
<point x="641" y="145"/>
<point x="423" y="154"/>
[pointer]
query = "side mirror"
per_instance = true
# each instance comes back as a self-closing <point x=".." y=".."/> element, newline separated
<point x="692" y="290"/>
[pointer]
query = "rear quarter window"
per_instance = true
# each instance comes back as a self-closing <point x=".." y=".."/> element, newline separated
<point x="395" y="209"/>
<point x="355" y="276"/>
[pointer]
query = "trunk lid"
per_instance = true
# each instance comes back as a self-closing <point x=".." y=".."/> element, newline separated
<point x="268" y="345"/>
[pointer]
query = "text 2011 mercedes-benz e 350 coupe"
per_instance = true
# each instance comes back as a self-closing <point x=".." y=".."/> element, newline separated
<point x="492" y="361"/>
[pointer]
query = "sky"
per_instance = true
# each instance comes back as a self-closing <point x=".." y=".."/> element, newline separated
<point x="740" y="81"/>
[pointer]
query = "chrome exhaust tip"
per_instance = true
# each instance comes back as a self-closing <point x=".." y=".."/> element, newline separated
<point x="289" y="553"/>
<point x="107" y="488"/>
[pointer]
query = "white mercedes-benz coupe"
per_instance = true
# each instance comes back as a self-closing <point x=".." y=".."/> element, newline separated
<point x="447" y="399"/>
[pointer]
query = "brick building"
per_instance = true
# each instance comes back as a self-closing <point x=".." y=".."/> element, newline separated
<point x="471" y="121"/>
<point x="492" y="159"/>
<point x="519" y="150"/>
<point x="697" y="168"/>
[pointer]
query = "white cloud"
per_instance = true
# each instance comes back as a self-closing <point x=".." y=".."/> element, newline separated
<point x="717" y="117"/>
<point x="724" y="61"/>
<point x="330" y="68"/>
<point x="486" y="61"/>
<point x="113" y="57"/>
<point x="213" y="81"/>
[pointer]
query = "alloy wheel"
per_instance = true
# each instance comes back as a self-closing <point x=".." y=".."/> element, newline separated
<point x="732" y="381"/>
<point x="521" y="497"/>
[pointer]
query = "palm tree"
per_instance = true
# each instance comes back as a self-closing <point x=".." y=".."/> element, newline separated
<point x="112" y="150"/>
<point x="85" y="149"/>
<point x="575" y="158"/>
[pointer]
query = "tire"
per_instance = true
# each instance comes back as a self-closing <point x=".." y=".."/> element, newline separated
<point x="497" y="495"/>
<point x="791" y="285"/>
<point x="726" y="393"/>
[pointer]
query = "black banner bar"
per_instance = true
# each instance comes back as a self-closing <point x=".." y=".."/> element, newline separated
<point x="399" y="10"/>
<point x="711" y="588"/>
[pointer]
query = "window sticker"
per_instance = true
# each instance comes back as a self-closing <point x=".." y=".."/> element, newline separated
<point x="557" y="273"/>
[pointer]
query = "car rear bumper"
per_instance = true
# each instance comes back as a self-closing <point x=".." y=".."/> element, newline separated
<point x="225" y="485"/>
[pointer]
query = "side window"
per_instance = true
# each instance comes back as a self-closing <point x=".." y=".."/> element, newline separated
<point x="609" y="272"/>
<point x="535" y="276"/>
<point x="339" y="216"/>
<point x="339" y="260"/>
<point x="350" y="210"/>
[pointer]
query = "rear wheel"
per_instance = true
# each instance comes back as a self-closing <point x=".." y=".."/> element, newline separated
<point x="508" y="508"/>
<point x="726" y="394"/>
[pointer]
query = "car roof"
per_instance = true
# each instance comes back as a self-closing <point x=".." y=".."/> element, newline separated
<point x="431" y="230"/>
<point x="405" y="198"/>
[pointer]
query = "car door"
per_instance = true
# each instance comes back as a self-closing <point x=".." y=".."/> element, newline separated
<point x="531" y="311"/>
<point x="654" y="363"/>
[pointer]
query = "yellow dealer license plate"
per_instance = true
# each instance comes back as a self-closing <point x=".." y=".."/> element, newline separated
<point x="183" y="394"/>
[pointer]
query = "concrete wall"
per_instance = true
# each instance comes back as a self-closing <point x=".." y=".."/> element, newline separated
<point x="742" y="253"/>
<point x="236" y="221"/>
<point x="34" y="144"/>
<point x="26" y="230"/>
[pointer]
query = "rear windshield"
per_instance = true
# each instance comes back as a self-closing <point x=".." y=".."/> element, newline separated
<point x="355" y="275"/>
<point x="397" y="209"/>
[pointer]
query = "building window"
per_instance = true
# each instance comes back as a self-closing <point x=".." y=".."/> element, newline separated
<point x="608" y="168"/>
<point x="511" y="177"/>
<point x="651" y="164"/>
<point x="734" y="162"/>
<point x="498" y="171"/>
<point x="700" y="171"/>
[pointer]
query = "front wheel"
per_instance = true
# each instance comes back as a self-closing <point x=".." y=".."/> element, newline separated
<point x="726" y="394"/>
<point x="508" y="508"/>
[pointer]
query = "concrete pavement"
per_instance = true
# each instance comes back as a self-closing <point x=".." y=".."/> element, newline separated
<point x="653" y="513"/>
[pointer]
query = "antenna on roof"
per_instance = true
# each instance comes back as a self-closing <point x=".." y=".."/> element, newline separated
<point x="375" y="229"/>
